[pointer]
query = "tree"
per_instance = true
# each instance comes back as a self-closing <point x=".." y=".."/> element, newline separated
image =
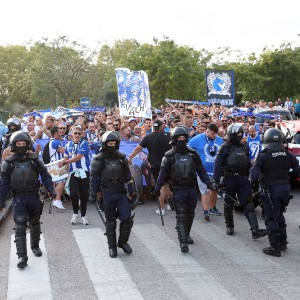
<point x="58" y="71"/>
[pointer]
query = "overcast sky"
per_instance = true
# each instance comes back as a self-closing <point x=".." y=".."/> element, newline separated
<point x="241" y="25"/>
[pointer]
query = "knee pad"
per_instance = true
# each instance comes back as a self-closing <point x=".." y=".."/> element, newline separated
<point x="181" y="208"/>
<point x="20" y="219"/>
<point x="34" y="220"/>
<point x="181" y="217"/>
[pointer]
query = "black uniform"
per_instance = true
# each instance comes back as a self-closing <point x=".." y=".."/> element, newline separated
<point x="157" y="143"/>
<point x="110" y="174"/>
<point x="233" y="163"/>
<point x="180" y="166"/>
<point x="272" y="168"/>
<point x="20" y="175"/>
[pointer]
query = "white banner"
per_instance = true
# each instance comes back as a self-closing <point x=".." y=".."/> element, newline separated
<point x="133" y="93"/>
<point x="57" y="173"/>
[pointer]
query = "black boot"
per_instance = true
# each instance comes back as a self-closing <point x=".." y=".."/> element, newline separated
<point x="283" y="238"/>
<point x="274" y="240"/>
<point x="230" y="231"/>
<point x="20" y="239"/>
<point x="182" y="232"/>
<point x="111" y="238"/>
<point x="189" y="223"/>
<point x="125" y="229"/>
<point x="35" y="232"/>
<point x="256" y="233"/>
<point x="228" y="214"/>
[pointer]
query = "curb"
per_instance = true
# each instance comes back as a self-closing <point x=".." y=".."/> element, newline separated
<point x="4" y="215"/>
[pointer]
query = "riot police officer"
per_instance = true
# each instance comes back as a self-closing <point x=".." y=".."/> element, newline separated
<point x="20" y="174"/>
<point x="179" y="166"/>
<point x="13" y="125"/>
<point x="109" y="174"/>
<point x="233" y="163"/>
<point x="272" y="169"/>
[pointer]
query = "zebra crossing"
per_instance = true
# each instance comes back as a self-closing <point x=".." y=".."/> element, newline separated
<point x="75" y="262"/>
<point x="189" y="275"/>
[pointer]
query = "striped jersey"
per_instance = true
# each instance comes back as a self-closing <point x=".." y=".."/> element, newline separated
<point x="54" y="145"/>
<point x="73" y="149"/>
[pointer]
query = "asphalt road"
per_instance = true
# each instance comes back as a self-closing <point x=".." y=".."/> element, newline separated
<point x="75" y="264"/>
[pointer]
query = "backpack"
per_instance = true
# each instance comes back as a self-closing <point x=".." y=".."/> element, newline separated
<point x="46" y="154"/>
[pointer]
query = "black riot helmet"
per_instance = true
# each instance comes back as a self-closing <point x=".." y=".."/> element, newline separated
<point x="13" y="122"/>
<point x="235" y="132"/>
<point x="179" y="131"/>
<point x="110" y="136"/>
<point x="273" y="139"/>
<point x="18" y="137"/>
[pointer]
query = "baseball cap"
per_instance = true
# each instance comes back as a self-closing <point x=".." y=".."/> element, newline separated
<point x="157" y="123"/>
<point x="131" y="119"/>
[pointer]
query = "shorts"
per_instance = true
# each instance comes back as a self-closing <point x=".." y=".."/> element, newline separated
<point x="60" y="181"/>
<point x="202" y="186"/>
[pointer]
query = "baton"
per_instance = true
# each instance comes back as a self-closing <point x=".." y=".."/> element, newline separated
<point x="160" y="212"/>
<point x="231" y="198"/>
<point x="101" y="216"/>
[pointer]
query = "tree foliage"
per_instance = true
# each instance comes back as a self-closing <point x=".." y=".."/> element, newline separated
<point x="60" y="72"/>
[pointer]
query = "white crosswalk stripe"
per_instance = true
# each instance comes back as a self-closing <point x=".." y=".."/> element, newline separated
<point x="34" y="279"/>
<point x="193" y="279"/>
<point x="112" y="279"/>
<point x="262" y="267"/>
<point x="109" y="276"/>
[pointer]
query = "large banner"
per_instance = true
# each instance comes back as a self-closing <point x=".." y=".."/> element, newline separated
<point x="220" y="87"/>
<point x="133" y="93"/>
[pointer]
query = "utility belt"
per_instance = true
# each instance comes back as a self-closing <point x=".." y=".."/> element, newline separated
<point x="270" y="182"/>
<point x="28" y="193"/>
<point x="184" y="185"/>
<point x="114" y="189"/>
<point x="235" y="174"/>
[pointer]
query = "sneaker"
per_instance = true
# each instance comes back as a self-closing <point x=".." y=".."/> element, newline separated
<point x="169" y="207"/>
<point x="74" y="219"/>
<point x="206" y="215"/>
<point x="215" y="212"/>
<point x="162" y="212"/>
<point x="84" y="221"/>
<point x="58" y="204"/>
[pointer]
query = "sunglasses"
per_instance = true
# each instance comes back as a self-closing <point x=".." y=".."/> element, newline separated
<point x="109" y="123"/>
<point x="77" y="133"/>
<point x="62" y="128"/>
<point x="116" y="124"/>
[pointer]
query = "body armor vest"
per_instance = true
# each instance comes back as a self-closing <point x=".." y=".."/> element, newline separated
<point x="237" y="161"/>
<point x="113" y="175"/>
<point x="183" y="170"/>
<point x="24" y="178"/>
<point x="277" y="166"/>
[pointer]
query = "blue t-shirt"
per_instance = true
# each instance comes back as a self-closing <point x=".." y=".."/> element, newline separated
<point x="81" y="148"/>
<point x="207" y="149"/>
<point x="254" y="145"/>
<point x="297" y="108"/>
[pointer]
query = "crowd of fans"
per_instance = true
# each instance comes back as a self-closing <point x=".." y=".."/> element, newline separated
<point x="198" y="119"/>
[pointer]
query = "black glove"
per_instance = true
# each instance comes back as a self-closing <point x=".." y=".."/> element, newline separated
<point x="155" y="194"/>
<point x="255" y="185"/>
<point x="216" y="185"/>
<point x="92" y="199"/>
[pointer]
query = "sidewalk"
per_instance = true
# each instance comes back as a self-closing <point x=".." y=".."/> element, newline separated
<point x="4" y="214"/>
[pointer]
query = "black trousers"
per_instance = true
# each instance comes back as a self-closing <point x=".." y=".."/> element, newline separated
<point x="79" y="189"/>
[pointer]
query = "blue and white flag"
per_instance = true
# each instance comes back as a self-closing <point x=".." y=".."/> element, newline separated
<point x="220" y="87"/>
<point x="133" y="93"/>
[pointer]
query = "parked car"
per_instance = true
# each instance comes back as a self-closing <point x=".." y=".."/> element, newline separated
<point x="278" y="114"/>
<point x="291" y="132"/>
